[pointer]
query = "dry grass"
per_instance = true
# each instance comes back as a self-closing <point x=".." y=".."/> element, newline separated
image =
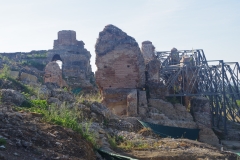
<point x="89" y="97"/>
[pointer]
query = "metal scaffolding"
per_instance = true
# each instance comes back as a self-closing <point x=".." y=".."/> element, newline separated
<point x="191" y="74"/>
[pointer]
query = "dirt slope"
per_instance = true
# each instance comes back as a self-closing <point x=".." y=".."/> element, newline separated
<point x="29" y="138"/>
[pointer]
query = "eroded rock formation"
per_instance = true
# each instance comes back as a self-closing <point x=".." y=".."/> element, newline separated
<point x="165" y="113"/>
<point x="121" y="68"/>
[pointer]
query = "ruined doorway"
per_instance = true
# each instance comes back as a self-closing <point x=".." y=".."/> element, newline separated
<point x="58" y="60"/>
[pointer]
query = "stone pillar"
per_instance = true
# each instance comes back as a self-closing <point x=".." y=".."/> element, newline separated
<point x="132" y="103"/>
<point x="142" y="103"/>
<point x="148" y="51"/>
<point x="120" y="69"/>
<point x="153" y="68"/>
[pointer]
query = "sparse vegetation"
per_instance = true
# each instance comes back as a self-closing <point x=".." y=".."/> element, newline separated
<point x="35" y="64"/>
<point x="137" y="145"/>
<point x="63" y="116"/>
<point x="4" y="73"/>
<point x="114" y="141"/>
<point x="89" y="98"/>
<point x="173" y="100"/>
<point x="2" y="141"/>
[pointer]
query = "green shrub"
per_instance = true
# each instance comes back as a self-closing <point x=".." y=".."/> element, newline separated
<point x="35" y="64"/>
<point x="4" y="73"/>
<point x="63" y="116"/>
<point x="2" y="141"/>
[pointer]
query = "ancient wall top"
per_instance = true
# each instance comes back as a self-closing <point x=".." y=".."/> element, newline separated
<point x="148" y="51"/>
<point x="119" y="60"/>
<point x="67" y="38"/>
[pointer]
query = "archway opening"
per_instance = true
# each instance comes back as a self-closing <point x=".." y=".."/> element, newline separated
<point x="58" y="60"/>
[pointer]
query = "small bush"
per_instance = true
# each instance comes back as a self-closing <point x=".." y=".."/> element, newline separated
<point x="63" y="116"/>
<point x="114" y="141"/>
<point x="4" y="73"/>
<point x="90" y="97"/>
<point x="3" y="141"/>
<point x="37" y="65"/>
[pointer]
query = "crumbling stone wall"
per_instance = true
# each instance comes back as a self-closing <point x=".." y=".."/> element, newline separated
<point x="119" y="60"/>
<point x="148" y="51"/>
<point x="65" y="38"/>
<point x="120" y="69"/>
<point x="76" y="68"/>
<point x="154" y="86"/>
<point x="53" y="74"/>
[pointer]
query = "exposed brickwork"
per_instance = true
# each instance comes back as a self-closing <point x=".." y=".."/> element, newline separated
<point x="148" y="51"/>
<point x="120" y="66"/>
<point x="119" y="60"/>
<point x="76" y="67"/>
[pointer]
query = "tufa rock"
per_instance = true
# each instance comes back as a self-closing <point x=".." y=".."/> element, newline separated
<point x="11" y="96"/>
<point x="201" y="112"/>
<point x="28" y="77"/>
<point x="53" y="74"/>
<point x="44" y="92"/>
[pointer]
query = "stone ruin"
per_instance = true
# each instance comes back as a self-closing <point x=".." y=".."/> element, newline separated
<point x="53" y="74"/>
<point x="129" y="81"/>
<point x="43" y="65"/>
<point x="127" y="78"/>
<point x="76" y="69"/>
<point x="121" y="71"/>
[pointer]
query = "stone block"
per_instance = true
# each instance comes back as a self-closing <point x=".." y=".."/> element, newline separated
<point x="200" y="109"/>
<point x="14" y="74"/>
<point x="142" y="111"/>
<point x="148" y="51"/>
<point x="153" y="68"/>
<point x="28" y="77"/>
<point x="142" y="99"/>
<point x="116" y="100"/>
<point x="132" y="103"/>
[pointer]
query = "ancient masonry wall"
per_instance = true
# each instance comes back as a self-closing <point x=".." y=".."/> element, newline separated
<point x="121" y="70"/>
<point x="76" y="69"/>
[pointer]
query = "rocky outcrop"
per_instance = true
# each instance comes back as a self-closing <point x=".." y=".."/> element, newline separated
<point x="120" y="70"/>
<point x="14" y="74"/>
<point x="53" y="74"/>
<point x="11" y="96"/>
<point x="200" y="110"/>
<point x="28" y="77"/>
<point x="165" y="113"/>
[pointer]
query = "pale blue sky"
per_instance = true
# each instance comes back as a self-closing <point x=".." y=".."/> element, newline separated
<point x="211" y="25"/>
